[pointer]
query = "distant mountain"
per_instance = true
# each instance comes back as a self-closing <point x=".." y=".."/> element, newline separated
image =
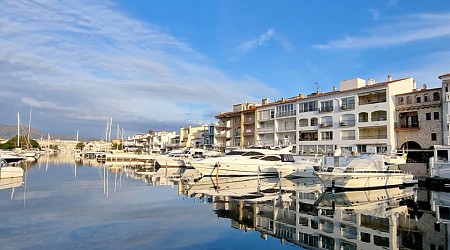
<point x="7" y="131"/>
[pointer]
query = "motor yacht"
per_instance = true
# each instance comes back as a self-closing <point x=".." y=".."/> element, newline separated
<point x="366" y="171"/>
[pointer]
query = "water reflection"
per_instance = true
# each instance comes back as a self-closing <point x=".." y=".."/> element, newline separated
<point x="296" y="212"/>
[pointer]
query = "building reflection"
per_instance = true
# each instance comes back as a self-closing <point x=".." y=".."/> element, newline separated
<point x="303" y="215"/>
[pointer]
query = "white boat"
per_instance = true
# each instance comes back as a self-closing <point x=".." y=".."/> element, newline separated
<point x="7" y="183"/>
<point x="367" y="171"/>
<point x="11" y="157"/>
<point x="181" y="157"/>
<point x="253" y="161"/>
<point x="230" y="186"/>
<point x="7" y="171"/>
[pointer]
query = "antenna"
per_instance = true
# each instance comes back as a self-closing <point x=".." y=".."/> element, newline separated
<point x="317" y="87"/>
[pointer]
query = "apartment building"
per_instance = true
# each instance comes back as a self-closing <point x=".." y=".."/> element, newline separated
<point x="445" y="107"/>
<point x="418" y="119"/>
<point x="236" y="128"/>
<point x="357" y="118"/>
<point x="193" y="136"/>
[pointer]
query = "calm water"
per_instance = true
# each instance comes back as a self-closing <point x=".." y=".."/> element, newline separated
<point x="62" y="204"/>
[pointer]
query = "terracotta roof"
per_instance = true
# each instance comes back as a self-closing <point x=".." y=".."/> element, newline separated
<point x="442" y="76"/>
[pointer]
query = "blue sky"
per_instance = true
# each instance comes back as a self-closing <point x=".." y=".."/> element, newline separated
<point x="165" y="64"/>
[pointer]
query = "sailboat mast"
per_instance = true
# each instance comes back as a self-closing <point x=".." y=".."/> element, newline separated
<point x="18" y="129"/>
<point x="29" y="129"/>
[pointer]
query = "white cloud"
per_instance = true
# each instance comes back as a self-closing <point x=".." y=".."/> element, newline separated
<point x="259" y="41"/>
<point x="85" y="60"/>
<point x="404" y="30"/>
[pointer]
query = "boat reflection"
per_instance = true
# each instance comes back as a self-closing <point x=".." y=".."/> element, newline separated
<point x="300" y="213"/>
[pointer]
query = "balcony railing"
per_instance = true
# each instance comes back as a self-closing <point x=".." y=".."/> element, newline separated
<point x="406" y="125"/>
<point x="349" y="123"/>
<point x="326" y="109"/>
<point x="222" y="125"/>
<point x="265" y="130"/>
<point x="286" y="113"/>
<point x="379" y="119"/>
<point x="308" y="139"/>
<point x="286" y="128"/>
<point x="371" y="101"/>
<point x="350" y="137"/>
<point x="307" y="110"/>
<point x="326" y="124"/>
<point x="347" y="107"/>
<point x="373" y="137"/>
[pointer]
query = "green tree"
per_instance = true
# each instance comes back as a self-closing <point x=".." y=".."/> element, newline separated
<point x="80" y="145"/>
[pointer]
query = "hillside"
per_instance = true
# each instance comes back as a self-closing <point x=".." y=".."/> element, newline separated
<point x="7" y="131"/>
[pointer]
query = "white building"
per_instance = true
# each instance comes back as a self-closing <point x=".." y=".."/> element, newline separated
<point x="446" y="107"/>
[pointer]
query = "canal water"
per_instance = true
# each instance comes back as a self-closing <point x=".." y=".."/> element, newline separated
<point x="63" y="203"/>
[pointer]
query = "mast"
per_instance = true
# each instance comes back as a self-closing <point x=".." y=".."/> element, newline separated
<point x="29" y="130"/>
<point x="18" y="129"/>
<point x="118" y="136"/>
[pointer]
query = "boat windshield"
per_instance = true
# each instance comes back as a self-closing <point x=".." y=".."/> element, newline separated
<point x="364" y="164"/>
<point x="252" y="153"/>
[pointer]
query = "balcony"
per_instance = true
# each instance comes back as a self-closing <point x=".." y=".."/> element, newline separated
<point x="249" y="121"/>
<point x="265" y="130"/>
<point x="286" y="113"/>
<point x="326" y="109"/>
<point x="222" y="125"/>
<point x="222" y="135"/>
<point x="248" y="132"/>
<point x="308" y="139"/>
<point x="307" y="110"/>
<point x="350" y="106"/>
<point x="364" y="137"/>
<point x="286" y="128"/>
<point x="406" y="126"/>
<point x="349" y="137"/>
<point x="379" y="119"/>
<point x="326" y="125"/>
<point x="349" y="123"/>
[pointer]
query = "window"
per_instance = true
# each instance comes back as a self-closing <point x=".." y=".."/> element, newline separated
<point x="436" y="96"/>
<point x="436" y="115"/>
<point x="348" y="103"/>
<point x="433" y="137"/>
<point x="428" y="116"/>
<point x="272" y="114"/>
<point x="408" y="100"/>
<point x="425" y="98"/>
<point x="365" y="237"/>
<point x="418" y="99"/>
<point x="326" y="136"/>
<point x="308" y="106"/>
<point x="314" y="121"/>
<point x="303" y="123"/>
<point x="400" y="100"/>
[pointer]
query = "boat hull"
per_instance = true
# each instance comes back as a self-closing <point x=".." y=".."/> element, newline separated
<point x="365" y="180"/>
<point x="11" y="172"/>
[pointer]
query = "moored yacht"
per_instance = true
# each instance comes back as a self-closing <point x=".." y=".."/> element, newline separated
<point x="255" y="162"/>
<point x="7" y="171"/>
<point x="366" y="171"/>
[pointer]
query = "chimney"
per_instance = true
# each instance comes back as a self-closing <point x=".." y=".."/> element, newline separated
<point x="389" y="78"/>
<point x="425" y="86"/>
<point x="370" y="81"/>
<point x="301" y="95"/>
<point x="265" y="101"/>
<point x="334" y="89"/>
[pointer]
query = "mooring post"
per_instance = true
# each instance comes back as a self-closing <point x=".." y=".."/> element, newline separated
<point x="217" y="175"/>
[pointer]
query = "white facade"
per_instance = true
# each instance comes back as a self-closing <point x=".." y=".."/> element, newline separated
<point x="352" y="121"/>
<point x="446" y="107"/>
